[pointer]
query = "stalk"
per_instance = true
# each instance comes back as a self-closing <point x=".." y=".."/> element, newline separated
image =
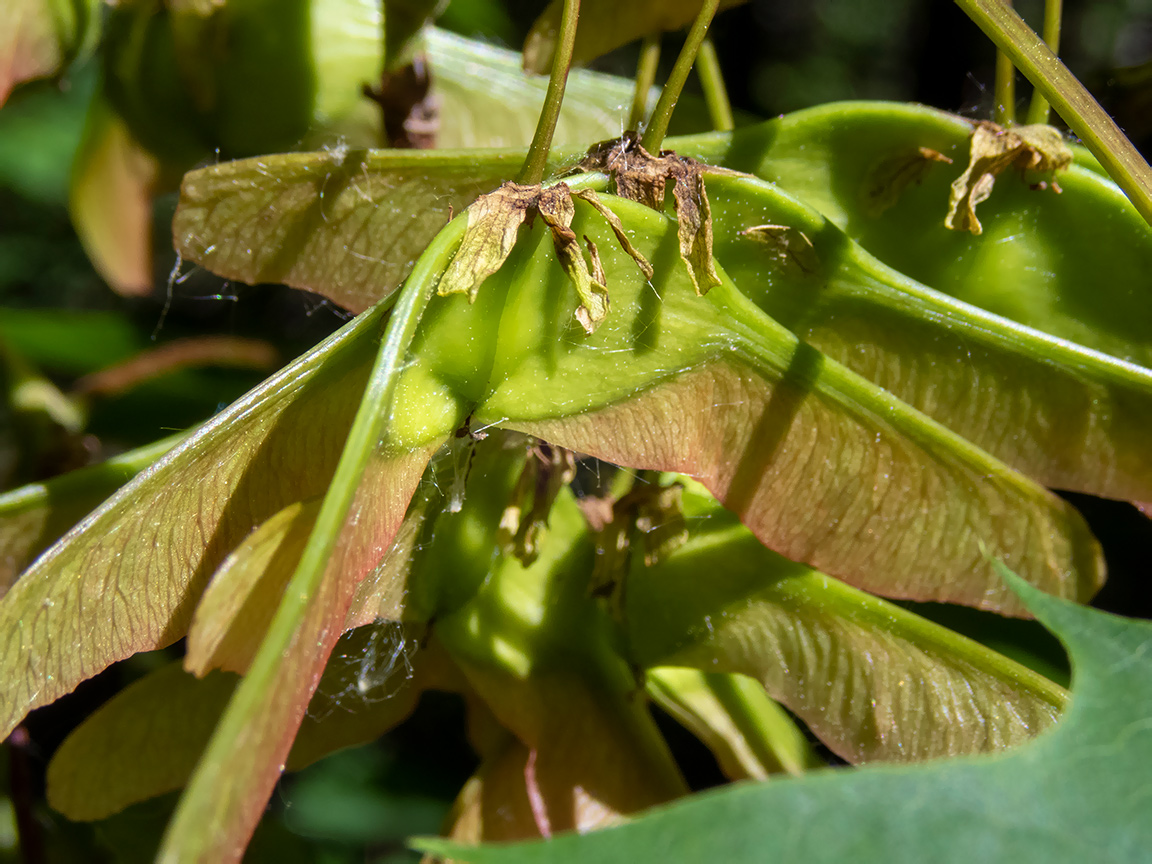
<point x="1005" y="90"/>
<point x="645" y="78"/>
<point x="533" y="170"/>
<point x="1068" y="96"/>
<point x="1053" y="11"/>
<point x="219" y="808"/>
<point x="670" y="95"/>
<point x="715" y="94"/>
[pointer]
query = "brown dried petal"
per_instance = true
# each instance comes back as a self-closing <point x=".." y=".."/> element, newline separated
<point x="555" y="205"/>
<point x="887" y="181"/>
<point x="790" y="246"/>
<point x="597" y="265"/>
<point x="493" y="221"/>
<point x="695" y="229"/>
<point x="642" y="177"/>
<point x="618" y="229"/>
<point x="547" y="471"/>
<point x="556" y="209"/>
<point x="1027" y="148"/>
<point x="643" y="181"/>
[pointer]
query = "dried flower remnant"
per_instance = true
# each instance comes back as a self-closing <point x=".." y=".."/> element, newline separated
<point x="640" y="176"/>
<point x="409" y="109"/>
<point x="789" y="246"/>
<point x="1027" y="148"/>
<point x="887" y="181"/>
<point x="524" y="521"/>
<point x="493" y="222"/>
<point x="557" y="210"/>
<point x="654" y="510"/>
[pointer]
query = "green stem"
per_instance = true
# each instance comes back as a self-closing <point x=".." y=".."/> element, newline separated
<point x="670" y="95"/>
<point x="715" y="94"/>
<point x="1068" y="96"/>
<point x="215" y="814"/>
<point x="645" y="78"/>
<point x="1005" y="90"/>
<point x="533" y="170"/>
<point x="1053" y="11"/>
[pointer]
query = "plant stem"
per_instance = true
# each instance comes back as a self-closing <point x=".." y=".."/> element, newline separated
<point x="1068" y="96"/>
<point x="1005" y="90"/>
<point x="1053" y="11"/>
<point x="645" y="78"/>
<point x="533" y="170"/>
<point x="221" y="805"/>
<point x="658" y="128"/>
<point x="712" y="80"/>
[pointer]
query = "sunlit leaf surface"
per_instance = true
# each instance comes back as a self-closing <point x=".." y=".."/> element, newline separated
<point x="347" y="224"/>
<point x="872" y="681"/>
<point x="750" y="735"/>
<point x="604" y="25"/>
<point x="110" y="201"/>
<point x="35" y="516"/>
<point x="1078" y="793"/>
<point x="127" y="578"/>
<point x="358" y="520"/>
<point x="236" y="608"/>
<point x="234" y="613"/>
<point x="486" y="100"/>
<point x="146" y="740"/>
<point x="1071" y="418"/>
<point x="247" y="753"/>
<point x="1073" y="264"/>
<point x="823" y="466"/>
<point x="964" y="368"/>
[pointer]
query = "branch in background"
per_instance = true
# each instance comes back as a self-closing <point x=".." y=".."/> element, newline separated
<point x="715" y="94"/>
<point x="645" y="78"/>
<point x="230" y="351"/>
<point x="670" y="95"/>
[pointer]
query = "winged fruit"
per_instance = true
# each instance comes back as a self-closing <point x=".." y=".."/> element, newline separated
<point x="702" y="337"/>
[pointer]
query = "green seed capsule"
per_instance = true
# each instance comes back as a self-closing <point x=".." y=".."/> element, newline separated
<point x="1073" y="265"/>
